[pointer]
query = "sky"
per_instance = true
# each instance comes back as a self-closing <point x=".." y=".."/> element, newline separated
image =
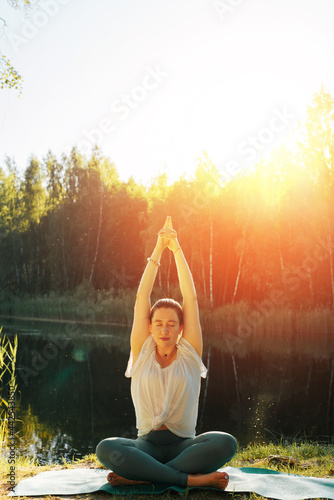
<point x="156" y="83"/>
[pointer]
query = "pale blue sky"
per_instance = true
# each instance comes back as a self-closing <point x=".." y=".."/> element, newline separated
<point x="157" y="82"/>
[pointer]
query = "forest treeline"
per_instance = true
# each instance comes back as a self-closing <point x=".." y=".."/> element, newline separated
<point x="265" y="235"/>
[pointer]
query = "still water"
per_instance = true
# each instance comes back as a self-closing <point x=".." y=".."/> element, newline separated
<point x="72" y="391"/>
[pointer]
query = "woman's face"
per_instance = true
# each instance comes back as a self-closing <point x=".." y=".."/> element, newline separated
<point x="165" y="327"/>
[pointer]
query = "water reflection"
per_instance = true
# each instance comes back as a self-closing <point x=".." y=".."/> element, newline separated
<point x="72" y="390"/>
<point x="41" y="442"/>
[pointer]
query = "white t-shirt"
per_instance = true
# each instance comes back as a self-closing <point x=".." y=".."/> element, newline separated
<point x="167" y="395"/>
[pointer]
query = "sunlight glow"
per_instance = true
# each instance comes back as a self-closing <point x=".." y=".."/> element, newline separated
<point x="156" y="92"/>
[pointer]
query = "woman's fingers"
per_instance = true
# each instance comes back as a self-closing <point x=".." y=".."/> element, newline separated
<point x="167" y="233"/>
<point x="168" y="222"/>
<point x="167" y="230"/>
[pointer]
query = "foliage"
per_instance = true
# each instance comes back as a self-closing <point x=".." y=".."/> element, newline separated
<point x="9" y="77"/>
<point x="22" y="4"/>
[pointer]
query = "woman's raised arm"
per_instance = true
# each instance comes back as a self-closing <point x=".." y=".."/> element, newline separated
<point x="192" y="330"/>
<point x="141" y="320"/>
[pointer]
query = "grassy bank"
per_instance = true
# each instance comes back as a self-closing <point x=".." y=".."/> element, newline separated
<point x="237" y="322"/>
<point x="82" y="305"/>
<point x="305" y="458"/>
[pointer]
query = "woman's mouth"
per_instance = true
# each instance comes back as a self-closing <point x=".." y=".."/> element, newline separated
<point x="164" y="338"/>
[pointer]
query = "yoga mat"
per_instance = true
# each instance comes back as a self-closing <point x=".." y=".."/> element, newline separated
<point x="265" y="482"/>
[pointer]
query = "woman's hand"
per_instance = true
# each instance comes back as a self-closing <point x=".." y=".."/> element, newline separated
<point x="163" y="239"/>
<point x="168" y="236"/>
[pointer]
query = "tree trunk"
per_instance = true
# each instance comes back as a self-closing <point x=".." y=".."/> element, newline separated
<point x="203" y="269"/>
<point x="226" y="277"/>
<point x="25" y="272"/>
<point x="211" y="245"/>
<point x="239" y="272"/>
<point x="17" y="274"/>
<point x="98" y="236"/>
<point x="280" y="254"/>
<point x="38" y="270"/>
<point x="310" y="283"/>
<point x="236" y="377"/>
<point x="64" y="260"/>
<point x="63" y="252"/>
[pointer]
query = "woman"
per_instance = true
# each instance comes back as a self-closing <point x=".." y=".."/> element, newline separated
<point x="166" y="369"/>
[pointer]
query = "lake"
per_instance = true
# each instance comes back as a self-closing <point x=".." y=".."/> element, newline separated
<point x="72" y="391"/>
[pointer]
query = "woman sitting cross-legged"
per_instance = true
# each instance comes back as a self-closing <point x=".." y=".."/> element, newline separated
<point x="165" y="367"/>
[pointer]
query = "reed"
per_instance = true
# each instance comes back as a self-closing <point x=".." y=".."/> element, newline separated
<point x="7" y="381"/>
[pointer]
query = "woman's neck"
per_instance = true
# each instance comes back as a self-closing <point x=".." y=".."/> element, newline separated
<point x="166" y="356"/>
<point x="166" y="352"/>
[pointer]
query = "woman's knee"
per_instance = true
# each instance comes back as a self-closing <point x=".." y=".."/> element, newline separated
<point x="228" y="445"/>
<point x="231" y="445"/>
<point x="224" y="444"/>
<point x="103" y="448"/>
<point x="109" y="451"/>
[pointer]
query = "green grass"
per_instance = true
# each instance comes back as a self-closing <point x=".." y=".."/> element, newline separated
<point x="314" y="459"/>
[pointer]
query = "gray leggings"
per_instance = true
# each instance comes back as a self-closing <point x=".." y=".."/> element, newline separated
<point x="163" y="457"/>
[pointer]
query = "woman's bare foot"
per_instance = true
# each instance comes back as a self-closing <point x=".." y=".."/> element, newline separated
<point x="216" y="479"/>
<point x="116" y="480"/>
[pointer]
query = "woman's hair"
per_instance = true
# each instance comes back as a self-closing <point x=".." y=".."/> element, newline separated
<point x="170" y="304"/>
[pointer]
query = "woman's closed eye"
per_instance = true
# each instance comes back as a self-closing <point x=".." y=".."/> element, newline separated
<point x="168" y="324"/>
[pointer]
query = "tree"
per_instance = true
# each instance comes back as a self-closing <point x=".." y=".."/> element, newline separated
<point x="34" y="193"/>
<point x="9" y="77"/>
<point x="53" y="172"/>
